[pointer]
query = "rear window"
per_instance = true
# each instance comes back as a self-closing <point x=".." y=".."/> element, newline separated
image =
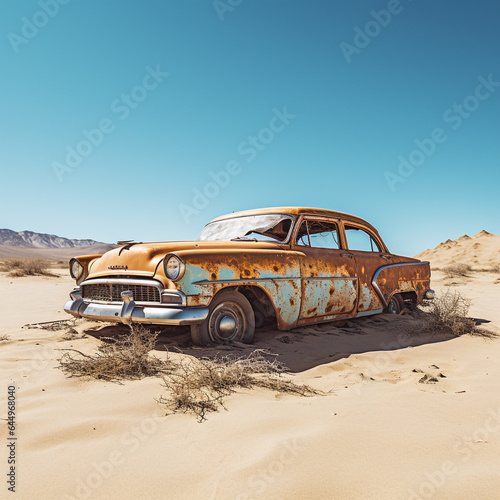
<point x="318" y="234"/>
<point x="359" y="239"/>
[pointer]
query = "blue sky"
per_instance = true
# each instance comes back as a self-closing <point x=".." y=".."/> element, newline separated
<point x="145" y="120"/>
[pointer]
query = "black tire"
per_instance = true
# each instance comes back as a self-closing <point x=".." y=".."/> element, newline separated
<point x="396" y="304"/>
<point x="231" y="318"/>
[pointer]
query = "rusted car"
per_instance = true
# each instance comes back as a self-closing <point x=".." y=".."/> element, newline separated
<point x="293" y="266"/>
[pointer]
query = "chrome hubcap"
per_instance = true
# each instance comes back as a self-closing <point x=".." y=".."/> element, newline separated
<point x="226" y="322"/>
<point x="227" y="326"/>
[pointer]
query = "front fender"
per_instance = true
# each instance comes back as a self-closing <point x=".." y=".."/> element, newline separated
<point x="276" y="273"/>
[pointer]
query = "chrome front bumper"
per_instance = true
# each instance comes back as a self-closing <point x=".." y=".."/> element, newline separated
<point x="129" y="312"/>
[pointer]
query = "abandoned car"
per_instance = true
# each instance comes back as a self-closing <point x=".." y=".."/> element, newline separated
<point x="293" y="266"/>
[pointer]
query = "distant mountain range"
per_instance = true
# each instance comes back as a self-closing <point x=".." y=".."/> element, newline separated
<point x="30" y="239"/>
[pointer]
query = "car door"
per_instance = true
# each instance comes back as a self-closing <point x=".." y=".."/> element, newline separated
<point x="328" y="273"/>
<point x="369" y="255"/>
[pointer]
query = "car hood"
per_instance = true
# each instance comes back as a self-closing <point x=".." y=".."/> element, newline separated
<point x="143" y="259"/>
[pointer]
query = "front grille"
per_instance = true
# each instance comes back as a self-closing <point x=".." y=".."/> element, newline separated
<point x="111" y="292"/>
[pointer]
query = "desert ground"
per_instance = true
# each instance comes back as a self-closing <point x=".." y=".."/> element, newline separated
<point x="378" y="432"/>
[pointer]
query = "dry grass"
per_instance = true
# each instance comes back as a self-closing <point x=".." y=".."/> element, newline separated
<point x="17" y="268"/>
<point x="457" y="270"/>
<point x="195" y="386"/>
<point x="199" y="386"/>
<point x="448" y="314"/>
<point x="4" y="338"/>
<point x="124" y="358"/>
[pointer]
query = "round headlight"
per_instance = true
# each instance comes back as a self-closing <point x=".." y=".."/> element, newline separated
<point x="75" y="269"/>
<point x="174" y="267"/>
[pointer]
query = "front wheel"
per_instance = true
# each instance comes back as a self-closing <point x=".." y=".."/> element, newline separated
<point x="230" y="318"/>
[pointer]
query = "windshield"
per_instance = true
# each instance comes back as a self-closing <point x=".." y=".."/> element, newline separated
<point x="269" y="227"/>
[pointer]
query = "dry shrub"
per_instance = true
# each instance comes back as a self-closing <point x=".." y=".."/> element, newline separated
<point x="124" y="358"/>
<point x="199" y="386"/>
<point x="495" y="268"/>
<point x="428" y="379"/>
<point x="26" y="267"/>
<point x="448" y="313"/>
<point x="457" y="270"/>
<point x="52" y="326"/>
<point x="4" y="338"/>
<point x="196" y="386"/>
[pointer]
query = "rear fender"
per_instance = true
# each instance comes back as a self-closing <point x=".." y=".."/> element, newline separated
<point x="402" y="277"/>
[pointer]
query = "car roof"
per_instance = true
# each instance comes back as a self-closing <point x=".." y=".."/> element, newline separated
<point x="299" y="211"/>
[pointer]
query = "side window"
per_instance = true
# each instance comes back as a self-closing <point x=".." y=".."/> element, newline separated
<point x="318" y="234"/>
<point x="358" y="239"/>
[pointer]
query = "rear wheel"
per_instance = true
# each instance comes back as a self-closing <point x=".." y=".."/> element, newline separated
<point x="230" y="318"/>
<point x="396" y="304"/>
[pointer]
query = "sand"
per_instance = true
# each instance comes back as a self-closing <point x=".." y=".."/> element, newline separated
<point x="481" y="252"/>
<point x="378" y="434"/>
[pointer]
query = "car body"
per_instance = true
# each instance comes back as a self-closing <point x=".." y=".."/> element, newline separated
<point x="297" y="266"/>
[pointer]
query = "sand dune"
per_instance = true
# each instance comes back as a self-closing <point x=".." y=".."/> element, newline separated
<point x="481" y="251"/>
<point x="380" y="433"/>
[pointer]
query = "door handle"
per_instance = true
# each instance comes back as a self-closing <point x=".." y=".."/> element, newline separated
<point x="388" y="257"/>
<point x="346" y="255"/>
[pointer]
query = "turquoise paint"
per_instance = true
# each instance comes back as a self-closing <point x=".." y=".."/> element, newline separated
<point x="317" y="296"/>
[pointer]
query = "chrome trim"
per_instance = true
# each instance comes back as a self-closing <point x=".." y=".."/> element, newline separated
<point x="243" y="280"/>
<point x="128" y="307"/>
<point x="182" y="266"/>
<point x="354" y="278"/>
<point x="175" y="292"/>
<point x="369" y="313"/>
<point x="122" y="281"/>
<point x="250" y="280"/>
<point x="76" y="293"/>
<point x="82" y="268"/>
<point x="127" y="296"/>
<point x="130" y="312"/>
<point x="380" y="269"/>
